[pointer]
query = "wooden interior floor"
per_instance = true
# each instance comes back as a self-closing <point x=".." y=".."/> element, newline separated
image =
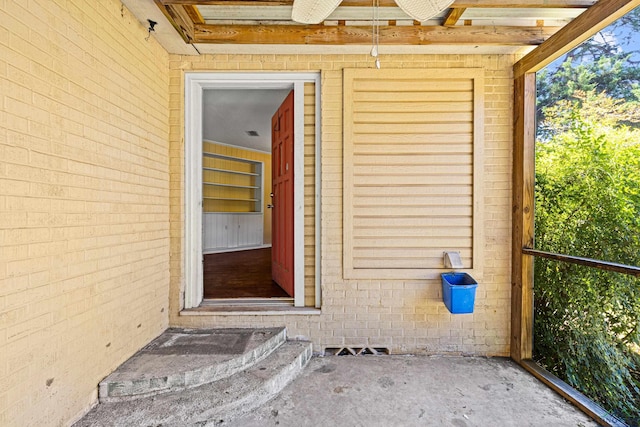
<point x="240" y="274"/>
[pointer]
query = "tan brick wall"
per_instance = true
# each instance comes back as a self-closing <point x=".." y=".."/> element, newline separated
<point x="404" y="315"/>
<point x="84" y="202"/>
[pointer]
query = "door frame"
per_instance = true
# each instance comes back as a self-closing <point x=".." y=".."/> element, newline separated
<point x="195" y="83"/>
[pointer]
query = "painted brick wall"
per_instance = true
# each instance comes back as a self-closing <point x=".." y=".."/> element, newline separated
<point x="404" y="315"/>
<point x="84" y="202"/>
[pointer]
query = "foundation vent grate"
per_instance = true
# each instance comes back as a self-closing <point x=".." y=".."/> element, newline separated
<point x="356" y="351"/>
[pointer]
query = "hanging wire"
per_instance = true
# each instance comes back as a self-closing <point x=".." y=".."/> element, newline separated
<point x="375" y="32"/>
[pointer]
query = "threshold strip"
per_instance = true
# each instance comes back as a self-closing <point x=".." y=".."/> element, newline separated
<point x="248" y="306"/>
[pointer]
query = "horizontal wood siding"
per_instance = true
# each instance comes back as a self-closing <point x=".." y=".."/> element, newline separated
<point x="411" y="169"/>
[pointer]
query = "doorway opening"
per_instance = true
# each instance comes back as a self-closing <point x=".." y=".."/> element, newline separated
<point x="234" y="189"/>
<point x="247" y="224"/>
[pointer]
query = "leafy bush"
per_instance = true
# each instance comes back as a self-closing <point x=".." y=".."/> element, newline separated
<point x="587" y="321"/>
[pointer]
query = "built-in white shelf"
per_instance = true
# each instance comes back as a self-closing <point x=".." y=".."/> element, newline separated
<point x="230" y="198"/>
<point x="248" y="181"/>
<point x="231" y="171"/>
<point x="217" y="184"/>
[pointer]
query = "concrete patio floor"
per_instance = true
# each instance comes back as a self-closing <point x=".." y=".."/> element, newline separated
<point x="414" y="391"/>
<point x="255" y="378"/>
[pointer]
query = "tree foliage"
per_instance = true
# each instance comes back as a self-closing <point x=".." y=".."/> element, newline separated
<point x="587" y="321"/>
<point x="588" y="204"/>
<point x="608" y="62"/>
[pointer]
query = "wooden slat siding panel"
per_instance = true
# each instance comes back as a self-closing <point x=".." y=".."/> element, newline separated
<point x="401" y="254"/>
<point x="443" y="116"/>
<point x="435" y="140"/>
<point x="410" y="128"/>
<point x="407" y="198"/>
<point x="426" y="190"/>
<point x="414" y="107"/>
<point x="399" y="211"/>
<point x="414" y="97"/>
<point x="383" y="232"/>
<point x="433" y="202"/>
<point x="399" y="87"/>
<point x="396" y="260"/>
<point x="451" y="170"/>
<point x="402" y="263"/>
<point x="368" y="245"/>
<point x="409" y="180"/>
<point x="414" y="222"/>
<point x="418" y="159"/>
<point x="309" y="194"/>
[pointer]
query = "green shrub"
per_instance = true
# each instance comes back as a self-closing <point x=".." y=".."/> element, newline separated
<point x="588" y="204"/>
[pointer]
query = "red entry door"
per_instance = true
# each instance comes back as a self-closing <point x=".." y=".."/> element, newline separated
<point x="282" y="190"/>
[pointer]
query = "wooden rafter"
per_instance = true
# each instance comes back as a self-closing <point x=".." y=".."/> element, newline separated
<point x="180" y="18"/>
<point x="349" y="35"/>
<point x="453" y="16"/>
<point x="194" y="14"/>
<point x="580" y="29"/>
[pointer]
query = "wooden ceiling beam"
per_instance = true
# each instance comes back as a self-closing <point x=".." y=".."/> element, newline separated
<point x="391" y="3"/>
<point x="355" y="35"/>
<point x="580" y="29"/>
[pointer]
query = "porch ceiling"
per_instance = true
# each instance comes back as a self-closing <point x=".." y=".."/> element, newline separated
<point x="265" y="26"/>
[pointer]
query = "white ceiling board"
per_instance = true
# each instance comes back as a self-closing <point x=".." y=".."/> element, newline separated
<point x="283" y="13"/>
<point x="163" y="32"/>
<point x="515" y="22"/>
<point x="229" y="113"/>
<point x="528" y="13"/>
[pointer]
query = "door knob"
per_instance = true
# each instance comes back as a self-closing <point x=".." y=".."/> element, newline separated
<point x="270" y="206"/>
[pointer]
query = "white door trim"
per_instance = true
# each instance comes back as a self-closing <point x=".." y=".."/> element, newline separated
<point x="195" y="84"/>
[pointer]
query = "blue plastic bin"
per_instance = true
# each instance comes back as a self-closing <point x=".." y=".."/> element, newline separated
<point x="458" y="292"/>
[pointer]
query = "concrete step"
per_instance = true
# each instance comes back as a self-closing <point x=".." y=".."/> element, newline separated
<point x="209" y="404"/>
<point x="180" y="359"/>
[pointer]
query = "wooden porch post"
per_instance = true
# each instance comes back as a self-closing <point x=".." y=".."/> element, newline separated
<point x="523" y="218"/>
<point x="584" y="26"/>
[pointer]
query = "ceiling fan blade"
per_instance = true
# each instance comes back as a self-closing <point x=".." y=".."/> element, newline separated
<point x="312" y="11"/>
<point x="421" y="10"/>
